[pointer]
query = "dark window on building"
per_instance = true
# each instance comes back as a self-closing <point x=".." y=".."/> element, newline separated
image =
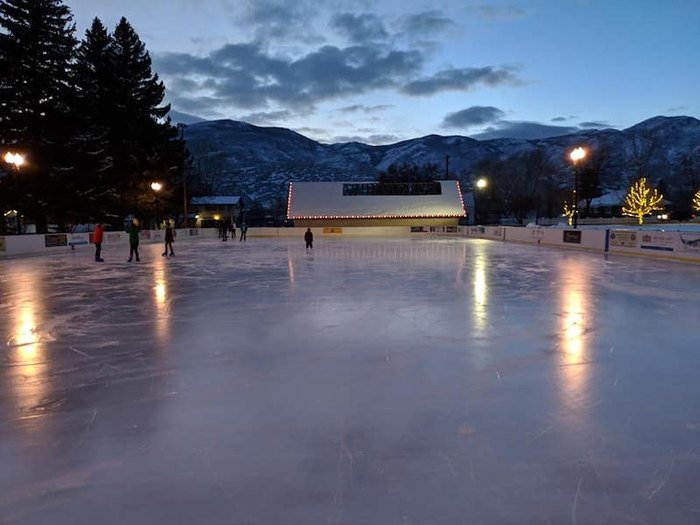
<point x="392" y="188"/>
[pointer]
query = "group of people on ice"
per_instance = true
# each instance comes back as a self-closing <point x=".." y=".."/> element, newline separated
<point x="134" y="231"/>
<point x="226" y="227"/>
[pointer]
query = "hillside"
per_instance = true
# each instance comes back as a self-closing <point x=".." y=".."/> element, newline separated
<point x="240" y="158"/>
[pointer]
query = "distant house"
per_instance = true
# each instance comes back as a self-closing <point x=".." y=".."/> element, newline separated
<point x="209" y="210"/>
<point x="607" y="205"/>
<point x="375" y="203"/>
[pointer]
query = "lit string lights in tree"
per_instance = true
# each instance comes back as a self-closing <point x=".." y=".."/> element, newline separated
<point x="569" y="213"/>
<point x="696" y="201"/>
<point x="641" y="200"/>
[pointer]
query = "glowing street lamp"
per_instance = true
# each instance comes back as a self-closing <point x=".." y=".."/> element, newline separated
<point x="576" y="156"/>
<point x="482" y="183"/>
<point x="156" y="187"/>
<point x="16" y="160"/>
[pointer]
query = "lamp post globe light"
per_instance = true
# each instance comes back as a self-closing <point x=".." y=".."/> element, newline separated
<point x="576" y="156"/>
<point x="156" y="187"/>
<point x="16" y="161"/>
<point x="481" y="184"/>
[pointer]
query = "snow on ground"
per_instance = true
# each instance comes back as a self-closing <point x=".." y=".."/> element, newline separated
<point x="371" y="381"/>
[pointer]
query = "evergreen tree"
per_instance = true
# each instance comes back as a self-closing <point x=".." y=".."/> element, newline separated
<point x="92" y="161"/>
<point x="144" y="147"/>
<point x="36" y="46"/>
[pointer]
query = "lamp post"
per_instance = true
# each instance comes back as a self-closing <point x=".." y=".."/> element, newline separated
<point x="181" y="128"/>
<point x="576" y="156"/>
<point x="16" y="161"/>
<point x="481" y="185"/>
<point x="156" y="187"/>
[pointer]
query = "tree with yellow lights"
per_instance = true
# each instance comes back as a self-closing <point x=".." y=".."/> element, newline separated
<point x="641" y="200"/>
<point x="569" y="213"/>
<point x="696" y="201"/>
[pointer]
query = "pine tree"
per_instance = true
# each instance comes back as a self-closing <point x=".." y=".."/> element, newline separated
<point x="36" y="45"/>
<point x="144" y="146"/>
<point x="92" y="161"/>
<point x="641" y="200"/>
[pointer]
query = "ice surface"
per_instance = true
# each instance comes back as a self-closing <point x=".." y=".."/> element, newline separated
<point x="372" y="381"/>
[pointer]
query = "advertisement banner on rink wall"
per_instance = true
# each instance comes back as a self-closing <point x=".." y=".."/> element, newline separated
<point x="145" y="235"/>
<point x="2" y="244"/>
<point x="194" y="232"/>
<point x="113" y="237"/>
<point x="53" y="240"/>
<point x="661" y="241"/>
<point x="572" y="236"/>
<point x="690" y="242"/>
<point x="79" y="239"/>
<point x="332" y="230"/>
<point x="625" y="239"/>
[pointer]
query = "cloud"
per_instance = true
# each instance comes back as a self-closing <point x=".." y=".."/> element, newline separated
<point x="560" y="119"/>
<point x="425" y="23"/>
<point x="523" y="130"/>
<point x="357" y="108"/>
<point x="462" y="79"/>
<point x="266" y="117"/>
<point x="274" y="19"/>
<point x="245" y="76"/>
<point x="595" y="125"/>
<point x="374" y="140"/>
<point x="473" y="116"/>
<point x="365" y="27"/>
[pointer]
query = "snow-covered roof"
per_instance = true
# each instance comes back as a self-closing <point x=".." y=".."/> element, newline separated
<point x="325" y="200"/>
<point x="608" y="200"/>
<point x="219" y="200"/>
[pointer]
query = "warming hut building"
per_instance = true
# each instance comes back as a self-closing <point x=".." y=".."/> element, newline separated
<point x="317" y="204"/>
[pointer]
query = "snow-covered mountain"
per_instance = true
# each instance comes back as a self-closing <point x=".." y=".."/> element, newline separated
<point x="240" y="158"/>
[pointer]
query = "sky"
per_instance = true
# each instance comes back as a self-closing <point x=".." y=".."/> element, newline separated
<point x="381" y="71"/>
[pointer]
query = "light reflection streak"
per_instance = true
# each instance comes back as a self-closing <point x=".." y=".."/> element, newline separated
<point x="160" y="296"/>
<point x="29" y="378"/>
<point x="290" y="268"/>
<point x="479" y="305"/>
<point x="574" y="304"/>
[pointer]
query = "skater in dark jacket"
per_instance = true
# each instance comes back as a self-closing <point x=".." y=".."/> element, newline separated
<point x="134" y="232"/>
<point x="169" y="238"/>
<point x="244" y="231"/>
<point x="309" y="238"/>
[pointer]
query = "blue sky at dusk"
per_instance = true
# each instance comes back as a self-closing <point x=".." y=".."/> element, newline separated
<point x="387" y="70"/>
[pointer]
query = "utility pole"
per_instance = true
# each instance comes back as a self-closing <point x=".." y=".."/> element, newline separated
<point x="447" y="167"/>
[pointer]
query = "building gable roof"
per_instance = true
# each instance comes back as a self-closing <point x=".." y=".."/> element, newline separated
<point x="326" y="200"/>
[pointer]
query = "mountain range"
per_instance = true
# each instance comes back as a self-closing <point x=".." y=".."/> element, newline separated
<point x="237" y="158"/>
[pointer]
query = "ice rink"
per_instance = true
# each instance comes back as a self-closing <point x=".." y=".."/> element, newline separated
<point x="373" y="381"/>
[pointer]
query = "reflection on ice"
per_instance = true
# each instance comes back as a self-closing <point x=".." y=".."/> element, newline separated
<point x="160" y="295"/>
<point x="574" y="299"/>
<point x="26" y="343"/>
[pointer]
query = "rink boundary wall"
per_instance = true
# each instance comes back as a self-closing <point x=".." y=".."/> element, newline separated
<point x="15" y="245"/>
<point x="679" y="246"/>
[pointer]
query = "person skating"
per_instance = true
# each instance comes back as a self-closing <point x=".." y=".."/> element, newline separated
<point x="169" y="238"/>
<point x="309" y="238"/>
<point x="244" y="230"/>
<point x="97" y="239"/>
<point x="224" y="231"/>
<point x="134" y="232"/>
